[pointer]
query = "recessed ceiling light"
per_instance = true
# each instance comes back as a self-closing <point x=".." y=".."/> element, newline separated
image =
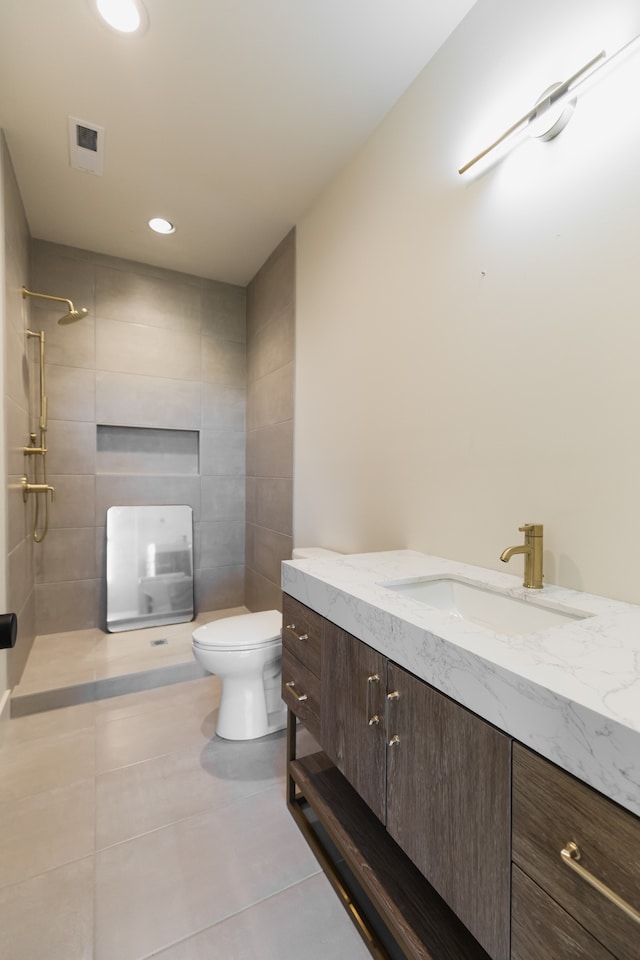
<point x="160" y="225"/>
<point x="125" y="16"/>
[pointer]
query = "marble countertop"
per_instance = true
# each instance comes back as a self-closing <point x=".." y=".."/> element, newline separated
<point x="572" y="693"/>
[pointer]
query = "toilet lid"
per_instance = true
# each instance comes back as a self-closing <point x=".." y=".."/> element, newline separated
<point x="247" y="630"/>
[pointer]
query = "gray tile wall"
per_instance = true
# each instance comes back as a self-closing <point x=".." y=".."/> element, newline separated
<point x="270" y="371"/>
<point x="158" y="349"/>
<point x="19" y="541"/>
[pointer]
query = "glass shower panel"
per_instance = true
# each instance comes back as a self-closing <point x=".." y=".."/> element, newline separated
<point x="149" y="566"/>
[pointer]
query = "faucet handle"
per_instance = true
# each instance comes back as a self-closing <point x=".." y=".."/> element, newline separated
<point x="534" y="529"/>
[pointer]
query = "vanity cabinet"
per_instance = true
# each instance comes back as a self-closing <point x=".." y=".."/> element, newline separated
<point x="554" y="812"/>
<point x="436" y="775"/>
<point x="353" y="713"/>
<point x="448" y="803"/>
<point x="468" y="845"/>
<point x="301" y="662"/>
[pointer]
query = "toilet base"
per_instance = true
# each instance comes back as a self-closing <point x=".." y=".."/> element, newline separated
<point x="243" y="711"/>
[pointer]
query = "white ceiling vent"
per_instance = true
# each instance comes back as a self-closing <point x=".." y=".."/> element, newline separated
<point x="86" y="146"/>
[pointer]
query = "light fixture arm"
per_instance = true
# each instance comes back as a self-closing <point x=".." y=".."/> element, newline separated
<point x="562" y="90"/>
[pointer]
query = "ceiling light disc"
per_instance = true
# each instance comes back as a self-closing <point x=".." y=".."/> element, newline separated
<point x="160" y="225"/>
<point x="124" y="16"/>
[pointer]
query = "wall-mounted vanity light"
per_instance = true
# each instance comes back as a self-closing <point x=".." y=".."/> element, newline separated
<point x="550" y="115"/>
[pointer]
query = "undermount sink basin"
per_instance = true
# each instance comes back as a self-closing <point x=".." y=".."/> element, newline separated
<point x="476" y="603"/>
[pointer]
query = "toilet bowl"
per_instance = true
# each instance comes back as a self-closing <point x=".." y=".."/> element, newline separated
<point x="246" y="653"/>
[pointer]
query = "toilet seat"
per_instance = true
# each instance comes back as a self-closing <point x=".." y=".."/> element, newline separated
<point x="246" y="632"/>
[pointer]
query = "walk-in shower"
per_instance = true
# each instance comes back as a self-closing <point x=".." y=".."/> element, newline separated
<point x="35" y="449"/>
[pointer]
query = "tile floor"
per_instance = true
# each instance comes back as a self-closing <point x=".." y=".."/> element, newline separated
<point x="129" y="830"/>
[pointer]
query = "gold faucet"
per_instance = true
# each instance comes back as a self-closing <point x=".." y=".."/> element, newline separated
<point x="532" y="549"/>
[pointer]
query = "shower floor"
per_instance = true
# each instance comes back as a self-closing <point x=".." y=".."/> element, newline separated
<point x="64" y="669"/>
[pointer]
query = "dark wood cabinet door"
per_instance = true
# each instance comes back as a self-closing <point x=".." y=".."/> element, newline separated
<point x="551" y="809"/>
<point x="448" y="804"/>
<point x="542" y="930"/>
<point x="351" y="700"/>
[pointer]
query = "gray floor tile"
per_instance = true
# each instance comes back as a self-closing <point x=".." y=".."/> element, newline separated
<point x="50" y="916"/>
<point x="306" y="920"/>
<point x="140" y="797"/>
<point x="159" y="888"/>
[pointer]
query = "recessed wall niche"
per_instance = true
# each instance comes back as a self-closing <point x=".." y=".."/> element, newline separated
<point x="146" y="450"/>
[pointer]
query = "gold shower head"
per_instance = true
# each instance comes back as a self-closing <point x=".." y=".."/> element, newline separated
<point x="70" y="316"/>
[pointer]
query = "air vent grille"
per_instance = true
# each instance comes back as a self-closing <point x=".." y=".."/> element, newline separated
<point x="86" y="146"/>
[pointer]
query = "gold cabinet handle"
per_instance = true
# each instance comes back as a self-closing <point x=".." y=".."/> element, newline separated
<point x="374" y="719"/>
<point x="394" y="695"/>
<point x="291" y="627"/>
<point x="299" y="696"/>
<point x="571" y="855"/>
<point x="394" y="739"/>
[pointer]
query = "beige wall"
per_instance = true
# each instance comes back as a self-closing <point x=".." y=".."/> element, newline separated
<point x="270" y="374"/>
<point x="17" y="592"/>
<point x="158" y="349"/>
<point x="467" y="351"/>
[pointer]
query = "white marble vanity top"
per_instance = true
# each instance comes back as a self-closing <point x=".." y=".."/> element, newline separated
<point x="572" y="693"/>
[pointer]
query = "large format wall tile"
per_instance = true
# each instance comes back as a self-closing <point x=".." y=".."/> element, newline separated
<point x="75" y="501"/>
<point x="222" y="452"/>
<point x="220" y="543"/>
<point x="71" y="447"/>
<point x="130" y="296"/>
<point x="71" y="392"/>
<point x="222" y="498"/>
<point x="224" y="311"/>
<point x="118" y="491"/>
<point x="223" y="361"/>
<point x="223" y="407"/>
<point x="270" y="399"/>
<point x="270" y="451"/>
<point x="146" y="350"/>
<point x="147" y="401"/>
<point x="68" y="605"/>
<point x="66" y="554"/>
<point x="219" y="588"/>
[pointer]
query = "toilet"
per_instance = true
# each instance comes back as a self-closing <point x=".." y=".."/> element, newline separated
<point x="246" y="653"/>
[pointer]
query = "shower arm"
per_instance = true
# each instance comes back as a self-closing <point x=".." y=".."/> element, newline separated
<point x="47" y="296"/>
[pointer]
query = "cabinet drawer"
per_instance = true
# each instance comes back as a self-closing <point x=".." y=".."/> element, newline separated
<point x="301" y="692"/>
<point x="302" y="632"/>
<point x="541" y="930"/>
<point x="552" y="809"/>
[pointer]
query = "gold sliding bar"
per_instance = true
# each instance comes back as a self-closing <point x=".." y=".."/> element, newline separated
<point x="570" y="855"/>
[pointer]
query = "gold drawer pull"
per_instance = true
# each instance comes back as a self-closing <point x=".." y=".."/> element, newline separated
<point x="394" y="739"/>
<point x="299" y="636"/>
<point x="570" y="855"/>
<point x="299" y="696"/>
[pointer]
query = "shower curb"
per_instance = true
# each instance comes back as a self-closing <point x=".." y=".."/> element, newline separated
<point x="21" y="705"/>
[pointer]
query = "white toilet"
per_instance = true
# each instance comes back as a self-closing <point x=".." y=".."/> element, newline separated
<point x="246" y="653"/>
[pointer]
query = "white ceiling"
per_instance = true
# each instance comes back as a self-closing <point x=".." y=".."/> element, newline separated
<point x="226" y="116"/>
